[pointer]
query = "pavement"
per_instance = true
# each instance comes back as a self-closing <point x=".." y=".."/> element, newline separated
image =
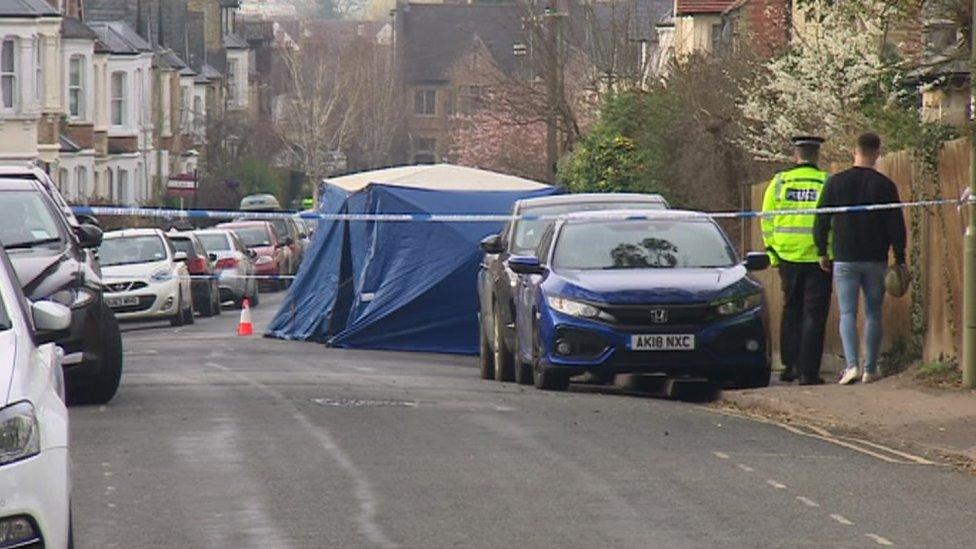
<point x="936" y="422"/>
<point x="220" y="441"/>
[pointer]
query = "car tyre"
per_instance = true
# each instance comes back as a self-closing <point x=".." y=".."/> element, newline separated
<point x="255" y="297"/>
<point x="523" y="369"/>
<point x="101" y="387"/>
<point x="179" y="317"/>
<point x="546" y="379"/>
<point x="188" y="313"/>
<point x="215" y="293"/>
<point x="504" y="368"/>
<point x="756" y="378"/>
<point x="486" y="359"/>
<point x="208" y="307"/>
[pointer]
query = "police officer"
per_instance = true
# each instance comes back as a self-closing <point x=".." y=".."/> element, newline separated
<point x="789" y="242"/>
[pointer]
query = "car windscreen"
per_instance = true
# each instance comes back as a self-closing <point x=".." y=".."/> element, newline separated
<point x="642" y="244"/>
<point x="214" y="242"/>
<point x="281" y="227"/>
<point x="129" y="250"/>
<point x="528" y="232"/>
<point x="253" y="237"/>
<point x="27" y="220"/>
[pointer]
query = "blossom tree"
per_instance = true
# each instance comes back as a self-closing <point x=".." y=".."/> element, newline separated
<point x="836" y="65"/>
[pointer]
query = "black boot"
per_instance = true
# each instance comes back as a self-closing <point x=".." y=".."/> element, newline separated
<point x="787" y="375"/>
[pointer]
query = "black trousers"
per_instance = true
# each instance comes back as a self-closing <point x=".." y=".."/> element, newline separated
<point x="806" y="303"/>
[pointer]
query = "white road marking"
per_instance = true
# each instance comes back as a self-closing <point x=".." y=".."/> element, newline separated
<point x="721" y="455"/>
<point x="745" y="468"/>
<point x="878" y="539"/>
<point x="841" y="519"/>
<point x="807" y="501"/>
<point x="775" y="484"/>
<point x="362" y="489"/>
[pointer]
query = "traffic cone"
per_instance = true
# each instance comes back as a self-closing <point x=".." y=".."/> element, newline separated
<point x="245" y="328"/>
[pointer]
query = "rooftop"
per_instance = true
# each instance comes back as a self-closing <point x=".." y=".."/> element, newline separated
<point x="119" y="38"/>
<point x="27" y="8"/>
<point x="701" y="7"/>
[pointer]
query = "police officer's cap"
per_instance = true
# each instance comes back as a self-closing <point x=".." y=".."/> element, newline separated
<point x="807" y="141"/>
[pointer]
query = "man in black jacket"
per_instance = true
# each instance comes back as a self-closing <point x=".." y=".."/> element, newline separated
<point x="861" y="244"/>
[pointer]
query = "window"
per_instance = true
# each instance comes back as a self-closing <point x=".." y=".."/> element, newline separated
<point x="64" y="181"/>
<point x="76" y="86"/>
<point x="118" y="98"/>
<point x="718" y="40"/>
<point x="8" y="74"/>
<point x="123" y="187"/>
<point x="425" y="150"/>
<point x="470" y="98"/>
<point x="232" y="82"/>
<point x="39" y="69"/>
<point x="81" y="183"/>
<point x="425" y="103"/>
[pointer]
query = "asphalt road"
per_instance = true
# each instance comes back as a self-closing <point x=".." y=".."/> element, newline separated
<point x="220" y="441"/>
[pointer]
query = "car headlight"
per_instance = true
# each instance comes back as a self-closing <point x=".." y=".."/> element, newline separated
<point x="20" y="437"/>
<point x="73" y="298"/>
<point x="162" y="274"/>
<point x="263" y="260"/>
<point x="572" y="308"/>
<point x="739" y="304"/>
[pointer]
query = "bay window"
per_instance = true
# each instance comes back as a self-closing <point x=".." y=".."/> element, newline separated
<point x="8" y="74"/>
<point x="76" y="86"/>
<point x="118" y="99"/>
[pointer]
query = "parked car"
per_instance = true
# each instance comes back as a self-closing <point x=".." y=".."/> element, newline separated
<point x="34" y="463"/>
<point x="146" y="277"/>
<point x="271" y="257"/>
<point x="496" y="281"/>
<point x="53" y="257"/>
<point x="234" y="266"/>
<point x="665" y="296"/>
<point x="203" y="286"/>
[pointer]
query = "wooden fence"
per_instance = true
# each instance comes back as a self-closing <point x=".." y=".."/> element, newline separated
<point x="940" y="231"/>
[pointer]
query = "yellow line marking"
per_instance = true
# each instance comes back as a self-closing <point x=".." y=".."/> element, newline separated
<point x="842" y="520"/>
<point x="878" y="539"/>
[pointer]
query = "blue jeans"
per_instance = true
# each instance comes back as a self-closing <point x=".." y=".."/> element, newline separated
<point x="849" y="279"/>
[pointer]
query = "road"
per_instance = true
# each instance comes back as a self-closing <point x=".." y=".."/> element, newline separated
<point x="221" y="441"/>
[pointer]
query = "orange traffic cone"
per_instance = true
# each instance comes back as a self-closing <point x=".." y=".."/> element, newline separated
<point x="245" y="328"/>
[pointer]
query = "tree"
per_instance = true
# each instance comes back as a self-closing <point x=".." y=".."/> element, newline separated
<point x="838" y="64"/>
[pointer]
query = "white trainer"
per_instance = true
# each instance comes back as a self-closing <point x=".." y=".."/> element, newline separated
<point x="849" y="376"/>
<point x="870" y="378"/>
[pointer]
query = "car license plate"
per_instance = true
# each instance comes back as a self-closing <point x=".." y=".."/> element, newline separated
<point x="121" y="301"/>
<point x="662" y="342"/>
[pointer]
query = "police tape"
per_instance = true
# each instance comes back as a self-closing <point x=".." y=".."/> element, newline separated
<point x="173" y="214"/>
<point x="218" y="277"/>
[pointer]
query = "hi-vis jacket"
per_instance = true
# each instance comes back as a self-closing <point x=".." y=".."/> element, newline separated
<point x="790" y="237"/>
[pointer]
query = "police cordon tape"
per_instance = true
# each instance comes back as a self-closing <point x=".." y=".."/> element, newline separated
<point x="206" y="277"/>
<point x="171" y="214"/>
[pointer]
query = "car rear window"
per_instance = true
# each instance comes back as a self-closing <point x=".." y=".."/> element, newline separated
<point x="528" y="232"/>
<point x="129" y="250"/>
<point x="214" y="242"/>
<point x="26" y="219"/>
<point x="641" y="244"/>
<point x="183" y="245"/>
<point x="253" y="236"/>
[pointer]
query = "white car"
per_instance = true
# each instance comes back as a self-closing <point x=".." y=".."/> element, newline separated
<point x="146" y="277"/>
<point x="234" y="265"/>
<point x="35" y="479"/>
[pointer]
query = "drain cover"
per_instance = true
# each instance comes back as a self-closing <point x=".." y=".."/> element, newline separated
<point x="363" y="403"/>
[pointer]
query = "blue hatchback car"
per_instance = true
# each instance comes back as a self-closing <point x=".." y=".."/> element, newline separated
<point x="630" y="292"/>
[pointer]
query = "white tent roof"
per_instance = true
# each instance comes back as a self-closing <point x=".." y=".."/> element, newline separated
<point x="437" y="177"/>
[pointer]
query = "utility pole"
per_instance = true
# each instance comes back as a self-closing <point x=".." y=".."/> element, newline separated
<point x="552" y="20"/>
<point x="969" y="250"/>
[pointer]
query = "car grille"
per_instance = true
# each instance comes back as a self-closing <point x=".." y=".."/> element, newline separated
<point x="145" y="303"/>
<point x="128" y="286"/>
<point x="642" y="317"/>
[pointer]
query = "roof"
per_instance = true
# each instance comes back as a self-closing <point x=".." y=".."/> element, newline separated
<point x="435" y="36"/>
<point x="169" y="59"/>
<point x="693" y="7"/>
<point x="210" y="73"/>
<point x="72" y="28"/>
<point x="133" y="232"/>
<point x="639" y="16"/>
<point x="67" y="145"/>
<point x="119" y="38"/>
<point x="337" y="33"/>
<point x="635" y="215"/>
<point x="439" y="177"/>
<point x="591" y="198"/>
<point x="234" y="42"/>
<point x="27" y="8"/>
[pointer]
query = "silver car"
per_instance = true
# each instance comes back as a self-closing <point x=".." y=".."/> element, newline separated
<point x="233" y="264"/>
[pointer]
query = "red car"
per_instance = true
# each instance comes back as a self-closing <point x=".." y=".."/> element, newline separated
<point x="271" y="259"/>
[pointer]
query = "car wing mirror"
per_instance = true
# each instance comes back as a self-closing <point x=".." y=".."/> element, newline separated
<point x="179" y="256"/>
<point x="756" y="261"/>
<point x="492" y="244"/>
<point x="213" y="257"/>
<point x="251" y="253"/>
<point x="526" y="265"/>
<point x="86" y="219"/>
<point x="89" y="236"/>
<point x="50" y="316"/>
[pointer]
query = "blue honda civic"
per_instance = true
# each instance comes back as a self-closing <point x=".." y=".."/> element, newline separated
<point x="629" y="292"/>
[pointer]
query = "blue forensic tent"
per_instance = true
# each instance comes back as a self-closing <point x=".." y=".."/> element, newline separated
<point x="398" y="285"/>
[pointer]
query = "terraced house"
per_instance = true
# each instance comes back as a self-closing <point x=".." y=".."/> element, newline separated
<point x="112" y="97"/>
